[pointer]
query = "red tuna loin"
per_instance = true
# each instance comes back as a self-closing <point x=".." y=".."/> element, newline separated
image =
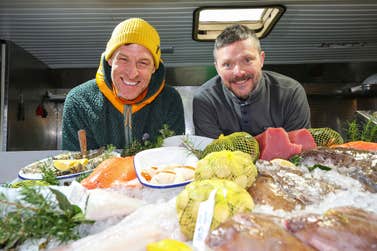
<point x="274" y="143"/>
<point x="302" y="137"/>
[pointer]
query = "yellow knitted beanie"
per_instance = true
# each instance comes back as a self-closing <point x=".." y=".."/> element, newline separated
<point x="135" y="31"/>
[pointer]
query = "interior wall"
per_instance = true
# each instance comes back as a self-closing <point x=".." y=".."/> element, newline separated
<point x="27" y="83"/>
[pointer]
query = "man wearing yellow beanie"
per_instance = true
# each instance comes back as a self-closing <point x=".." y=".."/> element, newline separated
<point x="128" y="99"/>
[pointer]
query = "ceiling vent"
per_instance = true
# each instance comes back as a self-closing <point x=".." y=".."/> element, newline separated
<point x="209" y="22"/>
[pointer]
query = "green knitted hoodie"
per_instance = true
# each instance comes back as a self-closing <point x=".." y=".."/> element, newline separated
<point x="87" y="108"/>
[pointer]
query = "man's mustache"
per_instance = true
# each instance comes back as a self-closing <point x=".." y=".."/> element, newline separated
<point x="242" y="78"/>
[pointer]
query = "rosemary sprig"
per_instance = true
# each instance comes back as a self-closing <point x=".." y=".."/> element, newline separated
<point x="369" y="132"/>
<point x="35" y="216"/>
<point x="190" y="146"/>
<point x="353" y="131"/>
<point x="366" y="132"/>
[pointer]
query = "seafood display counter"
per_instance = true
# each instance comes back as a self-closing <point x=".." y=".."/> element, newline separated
<point x="325" y="198"/>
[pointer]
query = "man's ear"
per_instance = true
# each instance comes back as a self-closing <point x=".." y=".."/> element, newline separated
<point x="262" y="55"/>
<point x="110" y="61"/>
<point x="214" y="62"/>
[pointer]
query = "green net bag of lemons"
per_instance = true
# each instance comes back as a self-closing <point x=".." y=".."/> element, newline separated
<point x="237" y="141"/>
<point x="230" y="199"/>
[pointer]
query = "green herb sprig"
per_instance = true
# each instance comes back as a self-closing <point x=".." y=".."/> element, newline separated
<point x="353" y="131"/>
<point x="49" y="175"/>
<point x="190" y="146"/>
<point x="35" y="216"/>
<point x="296" y="159"/>
<point x="137" y="146"/>
<point x="369" y="132"/>
<point x="366" y="132"/>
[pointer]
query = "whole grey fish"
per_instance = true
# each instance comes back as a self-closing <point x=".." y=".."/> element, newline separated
<point x="340" y="229"/>
<point x="360" y="165"/>
<point x="293" y="183"/>
<point x="253" y="231"/>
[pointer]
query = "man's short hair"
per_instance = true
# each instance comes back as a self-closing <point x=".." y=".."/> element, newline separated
<point x="234" y="33"/>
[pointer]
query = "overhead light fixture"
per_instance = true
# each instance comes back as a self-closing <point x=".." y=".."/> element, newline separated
<point x="209" y="22"/>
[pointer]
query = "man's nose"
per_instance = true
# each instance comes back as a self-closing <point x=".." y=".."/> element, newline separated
<point x="238" y="70"/>
<point x="132" y="71"/>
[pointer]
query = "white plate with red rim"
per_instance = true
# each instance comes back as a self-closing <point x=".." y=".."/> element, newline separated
<point x="169" y="163"/>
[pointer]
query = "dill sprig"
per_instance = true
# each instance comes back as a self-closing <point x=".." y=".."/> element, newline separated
<point x="35" y="216"/>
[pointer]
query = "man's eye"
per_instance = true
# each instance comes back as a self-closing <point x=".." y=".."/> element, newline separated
<point x="248" y="60"/>
<point x="143" y="64"/>
<point x="123" y="59"/>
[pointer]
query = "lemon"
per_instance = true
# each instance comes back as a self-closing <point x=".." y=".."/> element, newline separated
<point x="168" y="245"/>
<point x="282" y="162"/>
<point x="67" y="164"/>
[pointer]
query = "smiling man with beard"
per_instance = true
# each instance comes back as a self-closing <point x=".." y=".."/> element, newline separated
<point x="242" y="97"/>
<point x="128" y="100"/>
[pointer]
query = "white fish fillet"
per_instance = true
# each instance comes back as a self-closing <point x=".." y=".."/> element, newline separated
<point x="99" y="204"/>
<point x="105" y="203"/>
<point x="150" y="223"/>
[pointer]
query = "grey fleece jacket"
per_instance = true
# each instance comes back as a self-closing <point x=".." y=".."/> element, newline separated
<point x="277" y="101"/>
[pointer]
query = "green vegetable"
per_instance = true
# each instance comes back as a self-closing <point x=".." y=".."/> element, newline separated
<point x="236" y="166"/>
<point x="230" y="199"/>
<point x="35" y="216"/>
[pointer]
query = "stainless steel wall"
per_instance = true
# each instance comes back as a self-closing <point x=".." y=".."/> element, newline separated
<point x="27" y="80"/>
